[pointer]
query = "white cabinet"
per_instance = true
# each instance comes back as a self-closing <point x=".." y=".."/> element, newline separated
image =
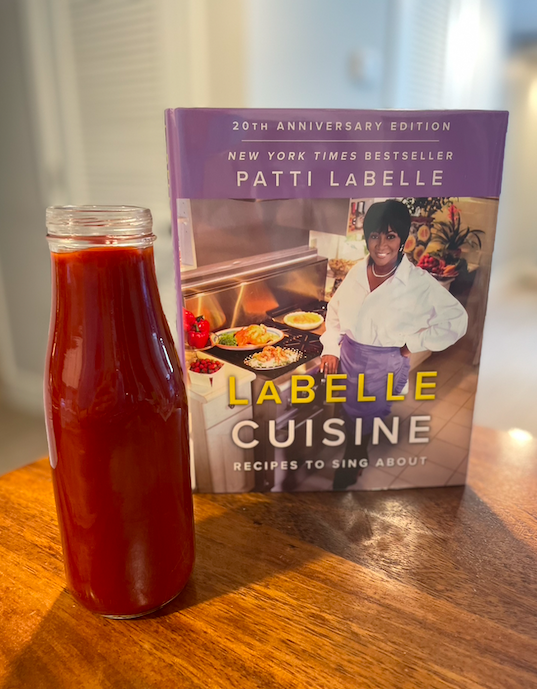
<point x="215" y="453"/>
<point x="222" y="454"/>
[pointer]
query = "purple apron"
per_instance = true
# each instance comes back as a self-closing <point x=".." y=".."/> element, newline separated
<point x="375" y="363"/>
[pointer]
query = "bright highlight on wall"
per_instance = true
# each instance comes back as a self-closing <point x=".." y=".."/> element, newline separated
<point x="520" y="436"/>
<point x="533" y="95"/>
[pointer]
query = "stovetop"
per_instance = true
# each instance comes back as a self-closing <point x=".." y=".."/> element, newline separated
<point x="306" y="342"/>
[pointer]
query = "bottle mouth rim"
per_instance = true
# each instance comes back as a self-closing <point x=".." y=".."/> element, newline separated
<point x="98" y="221"/>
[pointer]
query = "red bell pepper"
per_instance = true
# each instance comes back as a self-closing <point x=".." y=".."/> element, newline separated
<point x="203" y="324"/>
<point x="188" y="319"/>
<point x="196" y="338"/>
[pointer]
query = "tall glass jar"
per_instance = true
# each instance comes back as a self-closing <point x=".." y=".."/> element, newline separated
<point x="116" y="414"/>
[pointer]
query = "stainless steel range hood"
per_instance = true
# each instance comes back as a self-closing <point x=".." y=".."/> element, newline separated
<point x="228" y="229"/>
<point x="251" y="258"/>
<point x="241" y="292"/>
<point x="245" y="269"/>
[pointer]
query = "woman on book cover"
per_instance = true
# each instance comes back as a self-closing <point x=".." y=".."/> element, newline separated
<point x="385" y="309"/>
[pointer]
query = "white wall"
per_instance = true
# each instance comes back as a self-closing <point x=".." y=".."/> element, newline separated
<point x="516" y="249"/>
<point x="315" y="54"/>
<point x="24" y="259"/>
<point x="363" y="54"/>
<point x="476" y="51"/>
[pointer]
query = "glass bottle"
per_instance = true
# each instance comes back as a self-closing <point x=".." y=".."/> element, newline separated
<point x="116" y="415"/>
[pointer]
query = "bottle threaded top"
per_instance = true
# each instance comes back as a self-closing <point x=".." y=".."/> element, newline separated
<point x="77" y="227"/>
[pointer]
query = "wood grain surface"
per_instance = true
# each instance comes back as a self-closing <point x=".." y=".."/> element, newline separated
<point x="420" y="588"/>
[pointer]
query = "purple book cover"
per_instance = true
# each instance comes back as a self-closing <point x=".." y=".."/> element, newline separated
<point x="332" y="271"/>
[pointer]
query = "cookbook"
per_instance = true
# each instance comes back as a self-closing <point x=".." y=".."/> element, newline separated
<point x="332" y="271"/>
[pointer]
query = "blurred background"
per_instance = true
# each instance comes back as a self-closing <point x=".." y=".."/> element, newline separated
<point x="84" y="84"/>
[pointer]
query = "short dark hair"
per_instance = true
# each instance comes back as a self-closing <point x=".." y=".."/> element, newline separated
<point x="388" y="214"/>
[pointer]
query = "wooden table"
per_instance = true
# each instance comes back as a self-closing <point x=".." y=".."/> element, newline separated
<point x="417" y="588"/>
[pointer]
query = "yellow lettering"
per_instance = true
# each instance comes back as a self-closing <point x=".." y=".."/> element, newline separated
<point x="233" y="392"/>
<point x="420" y="385"/>
<point x="331" y="388"/>
<point x="390" y="397"/>
<point x="269" y="392"/>
<point x="361" y="392"/>
<point x="307" y="389"/>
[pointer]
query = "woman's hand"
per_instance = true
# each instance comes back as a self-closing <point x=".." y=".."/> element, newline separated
<point x="329" y="363"/>
<point x="405" y="351"/>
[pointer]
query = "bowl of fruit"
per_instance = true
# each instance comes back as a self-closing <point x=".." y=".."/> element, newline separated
<point x="438" y="267"/>
<point x="204" y="372"/>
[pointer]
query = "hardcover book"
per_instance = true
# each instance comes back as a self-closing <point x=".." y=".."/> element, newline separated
<point x="332" y="270"/>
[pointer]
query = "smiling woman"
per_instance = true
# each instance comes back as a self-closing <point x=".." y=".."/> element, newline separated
<point x="385" y="309"/>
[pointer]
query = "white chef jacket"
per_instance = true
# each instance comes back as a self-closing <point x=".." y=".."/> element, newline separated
<point x="409" y="308"/>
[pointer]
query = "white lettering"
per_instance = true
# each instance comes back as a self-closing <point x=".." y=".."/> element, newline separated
<point x="237" y="429"/>
<point x="415" y="428"/>
<point x="295" y="174"/>
<point x="309" y="432"/>
<point x="391" y="435"/>
<point x="260" y="179"/>
<point x="437" y="178"/>
<point x="290" y="434"/>
<point x="339" y="436"/>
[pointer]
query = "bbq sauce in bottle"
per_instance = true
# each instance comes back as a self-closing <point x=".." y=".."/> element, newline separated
<point x="116" y="414"/>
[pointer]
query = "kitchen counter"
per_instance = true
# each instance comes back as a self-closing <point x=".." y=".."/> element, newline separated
<point x="418" y="588"/>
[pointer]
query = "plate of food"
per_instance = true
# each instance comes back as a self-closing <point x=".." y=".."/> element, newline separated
<point x="303" y="320"/>
<point x="273" y="357"/>
<point x="250" y="337"/>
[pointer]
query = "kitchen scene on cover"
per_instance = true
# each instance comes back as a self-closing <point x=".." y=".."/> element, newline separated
<point x="273" y="289"/>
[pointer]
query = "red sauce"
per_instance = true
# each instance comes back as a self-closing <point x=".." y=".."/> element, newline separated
<point x="117" y="414"/>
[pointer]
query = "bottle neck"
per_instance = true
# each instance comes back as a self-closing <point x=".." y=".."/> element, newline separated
<point x="77" y="228"/>
<point x="93" y="268"/>
<point x="64" y="245"/>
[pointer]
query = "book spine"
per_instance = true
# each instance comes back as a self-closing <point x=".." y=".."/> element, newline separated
<point x="173" y="161"/>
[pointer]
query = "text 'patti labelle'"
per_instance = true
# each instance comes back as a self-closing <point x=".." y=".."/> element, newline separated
<point x="369" y="178"/>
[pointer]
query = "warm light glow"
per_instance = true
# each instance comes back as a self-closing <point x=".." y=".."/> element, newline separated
<point x="462" y="49"/>
<point x="520" y="436"/>
<point x="533" y="95"/>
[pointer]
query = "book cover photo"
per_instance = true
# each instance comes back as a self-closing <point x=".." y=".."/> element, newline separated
<point x="332" y="273"/>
